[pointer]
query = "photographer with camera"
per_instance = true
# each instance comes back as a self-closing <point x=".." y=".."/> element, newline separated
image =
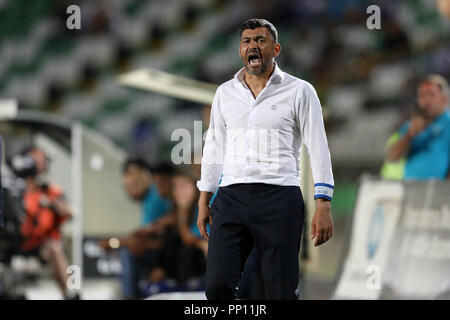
<point x="45" y="211"/>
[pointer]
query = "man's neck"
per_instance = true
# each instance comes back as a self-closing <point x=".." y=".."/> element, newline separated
<point x="258" y="81"/>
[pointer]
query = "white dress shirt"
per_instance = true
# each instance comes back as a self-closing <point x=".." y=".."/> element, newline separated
<point x="258" y="140"/>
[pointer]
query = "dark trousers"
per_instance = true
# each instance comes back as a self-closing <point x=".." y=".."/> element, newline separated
<point x="251" y="286"/>
<point x="180" y="261"/>
<point x="264" y="219"/>
<point x="133" y="268"/>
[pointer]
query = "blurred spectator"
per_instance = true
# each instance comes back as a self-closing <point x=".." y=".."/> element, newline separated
<point x="45" y="211"/>
<point x="195" y="248"/>
<point x="139" y="252"/>
<point x="184" y="256"/>
<point x="425" y="139"/>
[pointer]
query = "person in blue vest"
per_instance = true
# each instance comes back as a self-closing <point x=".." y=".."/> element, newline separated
<point x="140" y="251"/>
<point x="425" y="138"/>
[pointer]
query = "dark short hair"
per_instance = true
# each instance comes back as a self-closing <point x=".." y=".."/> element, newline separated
<point x="138" y="162"/>
<point x="259" y="23"/>
<point x="164" y="168"/>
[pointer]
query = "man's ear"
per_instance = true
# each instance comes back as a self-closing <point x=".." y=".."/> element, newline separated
<point x="276" y="50"/>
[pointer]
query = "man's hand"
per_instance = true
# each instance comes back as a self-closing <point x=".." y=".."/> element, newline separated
<point x="416" y="126"/>
<point x="204" y="213"/>
<point x="61" y="208"/>
<point x="136" y="246"/>
<point x="203" y="245"/>
<point x="109" y="244"/>
<point x="104" y="244"/>
<point x="321" y="224"/>
<point x="401" y="148"/>
<point x="144" y="232"/>
<point x="139" y="246"/>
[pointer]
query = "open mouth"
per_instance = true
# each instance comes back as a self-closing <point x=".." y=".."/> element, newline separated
<point x="254" y="59"/>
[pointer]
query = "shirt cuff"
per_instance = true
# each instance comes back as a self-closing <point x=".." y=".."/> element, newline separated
<point x="323" y="190"/>
<point x="205" y="187"/>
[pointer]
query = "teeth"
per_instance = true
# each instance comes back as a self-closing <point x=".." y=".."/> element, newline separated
<point x="252" y="56"/>
<point x="254" y="61"/>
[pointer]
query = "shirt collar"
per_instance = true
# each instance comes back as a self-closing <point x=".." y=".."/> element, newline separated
<point x="277" y="74"/>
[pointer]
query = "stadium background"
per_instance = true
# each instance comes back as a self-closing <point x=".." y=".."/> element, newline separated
<point x="365" y="78"/>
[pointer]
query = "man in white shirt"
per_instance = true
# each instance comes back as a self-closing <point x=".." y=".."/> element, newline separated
<point x="258" y="121"/>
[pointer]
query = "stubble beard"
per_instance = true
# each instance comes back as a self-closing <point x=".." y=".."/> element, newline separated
<point x="257" y="72"/>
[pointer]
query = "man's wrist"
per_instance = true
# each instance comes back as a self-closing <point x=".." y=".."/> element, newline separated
<point x="205" y="198"/>
<point x="323" y="204"/>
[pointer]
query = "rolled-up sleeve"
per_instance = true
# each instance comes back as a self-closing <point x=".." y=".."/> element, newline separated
<point x="214" y="148"/>
<point x="312" y="129"/>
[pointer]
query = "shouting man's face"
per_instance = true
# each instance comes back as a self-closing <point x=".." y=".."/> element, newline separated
<point x="257" y="50"/>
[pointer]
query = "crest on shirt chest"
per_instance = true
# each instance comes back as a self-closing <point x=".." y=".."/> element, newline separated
<point x="267" y="115"/>
<point x="274" y="115"/>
